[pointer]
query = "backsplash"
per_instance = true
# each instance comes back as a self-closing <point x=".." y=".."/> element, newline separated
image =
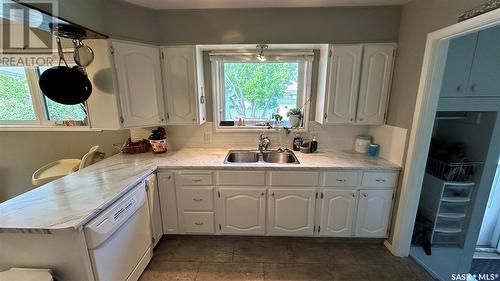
<point x="332" y="137"/>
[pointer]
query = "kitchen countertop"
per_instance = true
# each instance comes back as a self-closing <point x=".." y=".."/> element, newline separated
<point x="67" y="204"/>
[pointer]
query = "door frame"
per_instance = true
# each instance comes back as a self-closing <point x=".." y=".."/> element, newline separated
<point x="423" y="121"/>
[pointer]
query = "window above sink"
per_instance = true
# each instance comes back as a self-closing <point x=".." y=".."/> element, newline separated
<point x="251" y="87"/>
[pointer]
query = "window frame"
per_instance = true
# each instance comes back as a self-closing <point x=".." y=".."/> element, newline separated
<point x="218" y="58"/>
<point x="40" y="108"/>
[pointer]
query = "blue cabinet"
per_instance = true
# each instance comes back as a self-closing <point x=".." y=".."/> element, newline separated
<point x="473" y="65"/>
<point x="484" y="77"/>
<point x="458" y="65"/>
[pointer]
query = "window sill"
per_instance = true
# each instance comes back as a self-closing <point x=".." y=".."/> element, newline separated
<point x="27" y="128"/>
<point x="252" y="129"/>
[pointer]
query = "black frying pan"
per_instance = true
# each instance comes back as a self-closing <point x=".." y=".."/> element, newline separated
<point x="64" y="84"/>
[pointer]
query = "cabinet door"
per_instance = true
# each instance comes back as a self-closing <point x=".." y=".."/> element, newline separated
<point x="458" y="65"/>
<point x="168" y="202"/>
<point x="154" y="208"/>
<point x="291" y="211"/>
<point x="375" y="84"/>
<point x="374" y="209"/>
<point x="338" y="210"/>
<point x="485" y="72"/>
<point x="242" y="210"/>
<point x="180" y="85"/>
<point x="345" y="67"/>
<point x="138" y="72"/>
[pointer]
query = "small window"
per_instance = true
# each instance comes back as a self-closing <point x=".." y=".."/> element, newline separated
<point x="260" y="92"/>
<point x="23" y="103"/>
<point x="15" y="97"/>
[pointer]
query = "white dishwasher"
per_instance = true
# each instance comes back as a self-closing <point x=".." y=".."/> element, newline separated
<point x="119" y="239"/>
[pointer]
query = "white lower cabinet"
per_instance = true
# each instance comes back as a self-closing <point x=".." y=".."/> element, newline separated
<point x="291" y="211"/>
<point x="374" y="209"/>
<point x="241" y="210"/>
<point x="338" y="211"/>
<point x="329" y="204"/>
<point x="168" y="202"/>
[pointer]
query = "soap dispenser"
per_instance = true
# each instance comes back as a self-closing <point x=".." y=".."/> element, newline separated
<point x="314" y="145"/>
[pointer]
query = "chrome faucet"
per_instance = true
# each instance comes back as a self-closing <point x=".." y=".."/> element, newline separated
<point x="264" y="143"/>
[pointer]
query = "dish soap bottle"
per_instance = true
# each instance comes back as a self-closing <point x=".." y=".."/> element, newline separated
<point x="297" y="142"/>
<point x="314" y="144"/>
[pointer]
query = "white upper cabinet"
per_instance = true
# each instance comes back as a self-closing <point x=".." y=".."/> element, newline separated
<point x="102" y="105"/>
<point x="242" y="210"/>
<point x="338" y="211"/>
<point x="485" y="72"/>
<point x="375" y="84"/>
<point x="184" y="88"/>
<point x="458" y="64"/>
<point x="345" y="69"/>
<point x="374" y="209"/>
<point x="357" y="84"/>
<point x="138" y="75"/>
<point x="291" y="211"/>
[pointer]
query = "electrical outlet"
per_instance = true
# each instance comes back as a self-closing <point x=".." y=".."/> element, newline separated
<point x="207" y="138"/>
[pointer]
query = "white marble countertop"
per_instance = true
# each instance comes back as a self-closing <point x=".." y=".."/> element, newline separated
<point x="67" y="204"/>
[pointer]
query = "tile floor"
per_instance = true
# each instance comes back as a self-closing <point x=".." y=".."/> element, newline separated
<point x="224" y="258"/>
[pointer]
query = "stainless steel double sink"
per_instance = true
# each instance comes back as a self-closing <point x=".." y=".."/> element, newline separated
<point x="279" y="156"/>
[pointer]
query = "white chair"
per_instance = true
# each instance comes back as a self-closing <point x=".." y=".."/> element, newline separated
<point x="63" y="167"/>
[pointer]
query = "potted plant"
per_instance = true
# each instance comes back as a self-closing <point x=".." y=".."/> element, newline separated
<point x="295" y="116"/>
<point x="277" y="118"/>
<point x="158" y="140"/>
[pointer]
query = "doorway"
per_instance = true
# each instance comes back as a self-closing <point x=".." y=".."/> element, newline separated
<point x="480" y="120"/>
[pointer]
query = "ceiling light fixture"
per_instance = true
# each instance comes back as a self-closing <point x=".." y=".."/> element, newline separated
<point x="261" y="55"/>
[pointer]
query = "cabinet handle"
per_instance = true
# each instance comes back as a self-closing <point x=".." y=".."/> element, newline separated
<point x="197" y="199"/>
<point x="262" y="194"/>
<point x="168" y="116"/>
<point x="272" y="194"/>
<point x="365" y="195"/>
<point x="341" y="180"/>
<point x="198" y="223"/>
<point x="380" y="180"/>
<point x="459" y="88"/>
<point x="196" y="180"/>
<point x="353" y="194"/>
<point x="202" y="99"/>
<point x="473" y="87"/>
<point x="352" y="119"/>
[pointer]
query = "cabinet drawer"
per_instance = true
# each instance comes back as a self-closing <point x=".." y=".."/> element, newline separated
<point x="341" y="178"/>
<point x="241" y="178"/>
<point x="379" y="179"/>
<point x="194" y="179"/>
<point x="294" y="178"/>
<point x="198" y="198"/>
<point x="199" y="222"/>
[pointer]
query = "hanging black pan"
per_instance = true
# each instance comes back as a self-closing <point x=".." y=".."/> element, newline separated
<point x="64" y="84"/>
